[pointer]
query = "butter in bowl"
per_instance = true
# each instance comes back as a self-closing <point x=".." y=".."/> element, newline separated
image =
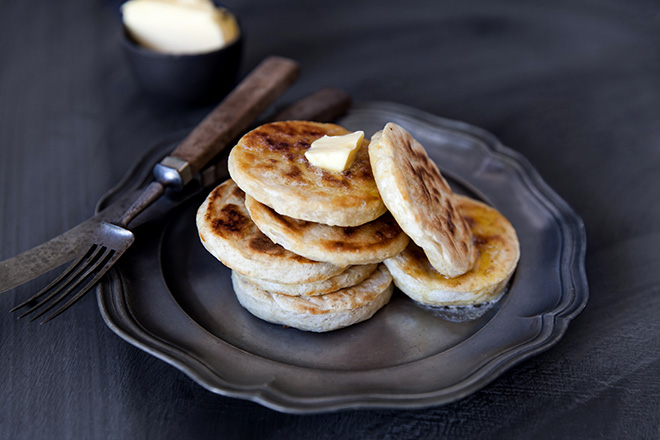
<point x="186" y="51"/>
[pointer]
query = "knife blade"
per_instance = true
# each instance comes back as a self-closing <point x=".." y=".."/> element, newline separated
<point x="324" y="105"/>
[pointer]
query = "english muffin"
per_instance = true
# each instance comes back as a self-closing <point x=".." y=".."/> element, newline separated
<point x="350" y="277"/>
<point x="228" y="233"/>
<point x="498" y="250"/>
<point x="322" y="313"/>
<point x="421" y="201"/>
<point x="369" y="243"/>
<point x="269" y="164"/>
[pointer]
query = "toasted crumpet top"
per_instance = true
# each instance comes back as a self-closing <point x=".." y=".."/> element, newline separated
<point x="269" y="164"/>
<point x="499" y="252"/>
<point x="421" y="201"/>
<point x="227" y="232"/>
<point x="369" y="243"/>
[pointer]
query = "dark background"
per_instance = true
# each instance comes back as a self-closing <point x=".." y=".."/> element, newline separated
<point x="572" y="85"/>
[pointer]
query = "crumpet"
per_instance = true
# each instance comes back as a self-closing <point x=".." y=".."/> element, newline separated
<point x="269" y="164"/>
<point x="228" y="233"/>
<point x="421" y="201"/>
<point x="369" y="243"/>
<point x="499" y="251"/>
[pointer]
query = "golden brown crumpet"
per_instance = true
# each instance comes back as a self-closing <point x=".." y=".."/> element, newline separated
<point x="499" y="252"/>
<point x="369" y="243"/>
<point x="228" y="233"/>
<point x="421" y="201"/>
<point x="317" y="313"/>
<point x="269" y="164"/>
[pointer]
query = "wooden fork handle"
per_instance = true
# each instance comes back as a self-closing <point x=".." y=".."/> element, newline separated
<point x="228" y="120"/>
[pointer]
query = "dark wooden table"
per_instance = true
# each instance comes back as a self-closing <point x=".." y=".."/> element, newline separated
<point x="572" y="85"/>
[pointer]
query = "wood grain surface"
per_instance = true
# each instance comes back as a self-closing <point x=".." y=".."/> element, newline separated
<point x="572" y="85"/>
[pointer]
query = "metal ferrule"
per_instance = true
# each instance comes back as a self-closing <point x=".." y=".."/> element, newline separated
<point x="172" y="172"/>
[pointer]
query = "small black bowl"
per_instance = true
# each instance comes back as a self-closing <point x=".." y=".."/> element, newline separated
<point x="191" y="79"/>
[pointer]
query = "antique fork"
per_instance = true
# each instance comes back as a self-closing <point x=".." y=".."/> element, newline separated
<point x="109" y="242"/>
<point x="110" y="238"/>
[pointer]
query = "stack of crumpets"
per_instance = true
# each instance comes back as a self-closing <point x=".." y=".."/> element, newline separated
<point x="316" y="233"/>
<point x="305" y="243"/>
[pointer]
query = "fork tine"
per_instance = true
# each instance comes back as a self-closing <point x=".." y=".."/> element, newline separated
<point x="97" y="260"/>
<point x="108" y="262"/>
<point x="73" y="276"/>
<point x="71" y="270"/>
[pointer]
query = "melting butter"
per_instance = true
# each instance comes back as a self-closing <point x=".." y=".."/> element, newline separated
<point x="335" y="153"/>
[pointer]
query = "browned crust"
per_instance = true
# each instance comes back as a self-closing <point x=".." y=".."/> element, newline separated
<point x="369" y="237"/>
<point x="228" y="218"/>
<point x="424" y="203"/>
<point x="269" y="163"/>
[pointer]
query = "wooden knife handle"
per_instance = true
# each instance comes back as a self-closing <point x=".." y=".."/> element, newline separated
<point x="229" y="119"/>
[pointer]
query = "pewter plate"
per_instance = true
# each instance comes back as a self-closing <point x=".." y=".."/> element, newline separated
<point x="171" y="298"/>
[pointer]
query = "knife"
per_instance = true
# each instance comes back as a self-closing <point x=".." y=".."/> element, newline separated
<point x="324" y="105"/>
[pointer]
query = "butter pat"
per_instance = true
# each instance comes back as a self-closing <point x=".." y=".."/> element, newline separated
<point x="179" y="26"/>
<point x="335" y="153"/>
